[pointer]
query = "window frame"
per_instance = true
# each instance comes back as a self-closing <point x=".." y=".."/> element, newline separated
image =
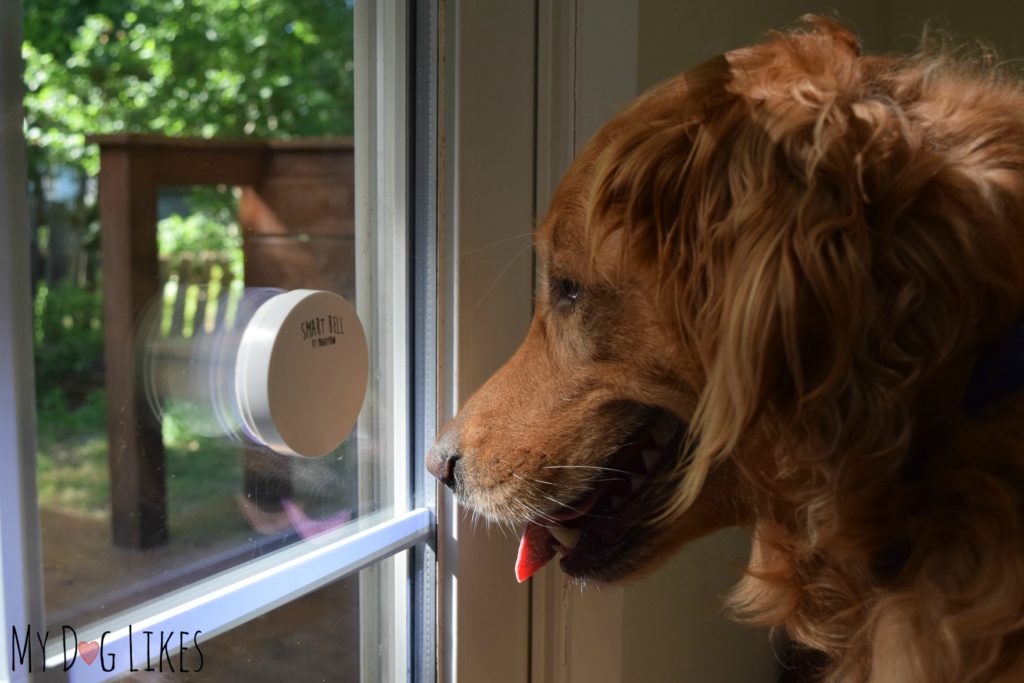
<point x="21" y="575"/>
<point x="424" y="340"/>
<point x="486" y="214"/>
<point x="401" y="197"/>
<point x="573" y="66"/>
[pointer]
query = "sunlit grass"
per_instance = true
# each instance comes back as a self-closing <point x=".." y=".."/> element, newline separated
<point x="73" y="470"/>
<point x="74" y="476"/>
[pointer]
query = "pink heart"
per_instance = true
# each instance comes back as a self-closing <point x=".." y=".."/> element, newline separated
<point x="88" y="651"/>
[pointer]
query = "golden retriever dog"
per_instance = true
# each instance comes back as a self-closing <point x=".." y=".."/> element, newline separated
<point x="784" y="291"/>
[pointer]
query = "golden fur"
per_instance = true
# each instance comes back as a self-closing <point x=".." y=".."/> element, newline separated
<point x="799" y="251"/>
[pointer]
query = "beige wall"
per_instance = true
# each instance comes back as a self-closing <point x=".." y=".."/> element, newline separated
<point x="676" y="34"/>
<point x="997" y="23"/>
<point x="674" y="625"/>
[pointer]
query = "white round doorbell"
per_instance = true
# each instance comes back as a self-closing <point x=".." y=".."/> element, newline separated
<point x="301" y="372"/>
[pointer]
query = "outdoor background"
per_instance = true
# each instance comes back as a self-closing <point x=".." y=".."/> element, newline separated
<point x="216" y="68"/>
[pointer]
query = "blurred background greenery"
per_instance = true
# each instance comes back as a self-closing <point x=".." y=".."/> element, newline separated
<point x="189" y="68"/>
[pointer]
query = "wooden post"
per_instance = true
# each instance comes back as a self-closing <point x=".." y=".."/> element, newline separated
<point x="138" y="491"/>
<point x="132" y="169"/>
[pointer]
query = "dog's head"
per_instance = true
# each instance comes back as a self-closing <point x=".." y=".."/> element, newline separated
<point x="759" y="285"/>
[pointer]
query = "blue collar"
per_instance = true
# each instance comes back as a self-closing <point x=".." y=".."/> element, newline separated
<point x="998" y="373"/>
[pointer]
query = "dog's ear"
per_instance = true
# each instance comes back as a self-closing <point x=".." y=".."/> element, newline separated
<point x="873" y="240"/>
<point x="745" y="210"/>
<point x="813" y="244"/>
<point x="787" y="262"/>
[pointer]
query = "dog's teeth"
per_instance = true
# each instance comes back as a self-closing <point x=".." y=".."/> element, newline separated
<point x="567" y="537"/>
<point x="651" y="459"/>
<point x="636" y="481"/>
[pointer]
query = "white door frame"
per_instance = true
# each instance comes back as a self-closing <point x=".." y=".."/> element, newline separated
<point x="524" y="85"/>
<point x="486" y="217"/>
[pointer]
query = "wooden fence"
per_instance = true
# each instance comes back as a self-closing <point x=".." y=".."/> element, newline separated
<point x="200" y="294"/>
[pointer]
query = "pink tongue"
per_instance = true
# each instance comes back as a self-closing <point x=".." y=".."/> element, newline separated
<point x="536" y="548"/>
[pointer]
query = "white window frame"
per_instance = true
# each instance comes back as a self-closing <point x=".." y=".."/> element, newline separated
<point x="486" y="217"/>
<point x="228" y="599"/>
<point x="381" y="164"/>
<point x="21" y="575"/>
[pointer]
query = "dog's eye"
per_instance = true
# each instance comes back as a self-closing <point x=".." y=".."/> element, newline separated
<point x="567" y="291"/>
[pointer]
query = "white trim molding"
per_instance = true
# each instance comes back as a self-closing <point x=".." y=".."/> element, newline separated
<point x="486" y="277"/>
<point x="517" y="104"/>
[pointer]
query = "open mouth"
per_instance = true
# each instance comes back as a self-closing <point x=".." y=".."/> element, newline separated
<point x="601" y="534"/>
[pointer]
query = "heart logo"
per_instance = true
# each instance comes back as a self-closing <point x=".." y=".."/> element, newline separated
<point x="88" y="651"/>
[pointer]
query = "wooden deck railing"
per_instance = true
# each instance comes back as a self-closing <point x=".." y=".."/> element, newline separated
<point x="297" y="216"/>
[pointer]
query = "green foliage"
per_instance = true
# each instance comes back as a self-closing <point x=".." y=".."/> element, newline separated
<point x="72" y="465"/>
<point x="68" y="337"/>
<point x="203" y="472"/>
<point x="225" y="68"/>
<point x="66" y="423"/>
<point x="211" y="228"/>
<point x="194" y="234"/>
<point x="210" y="68"/>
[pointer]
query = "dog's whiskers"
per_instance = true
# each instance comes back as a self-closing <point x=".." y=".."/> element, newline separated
<point x="588" y="467"/>
<point x="557" y="502"/>
<point x="537" y="513"/>
<point x="564" y="505"/>
<point x="503" y="271"/>
<point x="540" y="481"/>
<point x="485" y="247"/>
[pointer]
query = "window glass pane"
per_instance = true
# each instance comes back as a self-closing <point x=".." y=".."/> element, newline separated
<point x="319" y="637"/>
<point x="186" y="161"/>
<point x="337" y="633"/>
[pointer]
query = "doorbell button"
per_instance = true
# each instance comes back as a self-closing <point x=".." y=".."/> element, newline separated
<point x="301" y="372"/>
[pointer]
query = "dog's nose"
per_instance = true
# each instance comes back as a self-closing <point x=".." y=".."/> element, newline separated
<point x="442" y="461"/>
